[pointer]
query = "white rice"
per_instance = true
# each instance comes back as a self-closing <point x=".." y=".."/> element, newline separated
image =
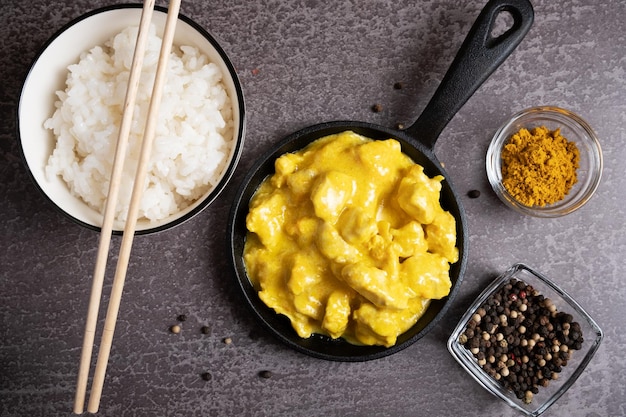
<point x="193" y="138"/>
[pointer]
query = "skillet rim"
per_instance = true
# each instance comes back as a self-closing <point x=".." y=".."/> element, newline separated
<point x="278" y="325"/>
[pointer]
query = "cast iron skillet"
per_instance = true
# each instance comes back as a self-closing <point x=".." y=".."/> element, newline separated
<point x="477" y="58"/>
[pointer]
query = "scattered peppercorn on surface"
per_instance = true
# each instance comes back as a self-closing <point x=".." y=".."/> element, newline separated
<point x="520" y="339"/>
<point x="348" y="239"/>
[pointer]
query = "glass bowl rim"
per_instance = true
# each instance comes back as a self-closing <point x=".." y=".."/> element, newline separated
<point x="586" y="135"/>
<point x="470" y="365"/>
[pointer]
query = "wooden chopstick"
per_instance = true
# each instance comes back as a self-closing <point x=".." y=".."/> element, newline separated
<point x="109" y="211"/>
<point x="133" y="210"/>
<point x="131" y="221"/>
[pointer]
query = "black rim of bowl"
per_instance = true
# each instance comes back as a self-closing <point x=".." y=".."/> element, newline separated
<point x="230" y="168"/>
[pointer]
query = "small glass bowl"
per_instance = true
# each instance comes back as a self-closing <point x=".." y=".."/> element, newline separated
<point x="574" y="129"/>
<point x="592" y="335"/>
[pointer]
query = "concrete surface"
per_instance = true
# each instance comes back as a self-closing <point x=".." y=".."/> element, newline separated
<point x="302" y="62"/>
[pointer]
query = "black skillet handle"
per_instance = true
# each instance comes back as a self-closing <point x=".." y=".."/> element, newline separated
<point x="477" y="59"/>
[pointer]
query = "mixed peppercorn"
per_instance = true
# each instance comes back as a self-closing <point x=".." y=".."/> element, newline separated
<point x="520" y="339"/>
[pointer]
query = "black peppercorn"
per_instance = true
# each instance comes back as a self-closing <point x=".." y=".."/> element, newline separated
<point x="473" y="194"/>
<point x="519" y="338"/>
<point x="474" y="342"/>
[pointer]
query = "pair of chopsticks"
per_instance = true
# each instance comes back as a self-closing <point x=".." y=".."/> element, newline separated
<point x="133" y="210"/>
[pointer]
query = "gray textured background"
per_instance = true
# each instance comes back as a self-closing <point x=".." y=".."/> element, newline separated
<point x="300" y="63"/>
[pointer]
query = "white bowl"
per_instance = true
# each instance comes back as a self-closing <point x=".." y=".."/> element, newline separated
<point x="48" y="74"/>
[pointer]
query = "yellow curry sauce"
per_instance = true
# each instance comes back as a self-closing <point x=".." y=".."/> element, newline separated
<point x="348" y="239"/>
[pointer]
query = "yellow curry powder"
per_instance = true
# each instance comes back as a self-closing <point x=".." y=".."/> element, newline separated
<point x="539" y="166"/>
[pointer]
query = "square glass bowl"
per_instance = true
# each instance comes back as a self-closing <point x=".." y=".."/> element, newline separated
<point x="574" y="129"/>
<point x="546" y="396"/>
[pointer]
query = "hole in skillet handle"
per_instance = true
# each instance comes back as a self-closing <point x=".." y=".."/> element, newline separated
<point x="447" y="100"/>
<point x="503" y="23"/>
<point x="478" y="57"/>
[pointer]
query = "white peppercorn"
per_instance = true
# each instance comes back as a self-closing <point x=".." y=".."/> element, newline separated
<point x="519" y="338"/>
